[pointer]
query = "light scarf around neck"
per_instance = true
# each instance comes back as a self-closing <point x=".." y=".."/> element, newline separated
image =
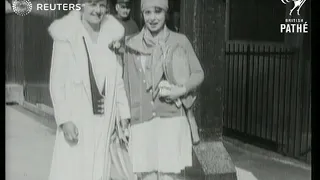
<point x="150" y="43"/>
<point x="156" y="49"/>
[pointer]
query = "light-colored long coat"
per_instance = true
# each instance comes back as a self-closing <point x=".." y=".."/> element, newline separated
<point x="71" y="96"/>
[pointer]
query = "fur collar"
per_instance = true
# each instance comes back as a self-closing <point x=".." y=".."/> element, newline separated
<point x="70" y="25"/>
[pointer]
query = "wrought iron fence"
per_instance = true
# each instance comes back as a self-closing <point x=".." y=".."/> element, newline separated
<point x="267" y="97"/>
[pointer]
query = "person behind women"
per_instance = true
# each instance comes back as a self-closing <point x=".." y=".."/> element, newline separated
<point x="87" y="92"/>
<point x="123" y="9"/>
<point x="160" y="143"/>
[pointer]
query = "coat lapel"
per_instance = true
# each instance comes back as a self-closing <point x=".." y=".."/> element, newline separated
<point x="81" y="63"/>
<point x="107" y="34"/>
<point x="135" y="58"/>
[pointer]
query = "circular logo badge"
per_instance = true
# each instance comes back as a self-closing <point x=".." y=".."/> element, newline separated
<point x="21" y="7"/>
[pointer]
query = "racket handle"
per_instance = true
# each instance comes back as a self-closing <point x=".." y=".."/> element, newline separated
<point x="178" y="103"/>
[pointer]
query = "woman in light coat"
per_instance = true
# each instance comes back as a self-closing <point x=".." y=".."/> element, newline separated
<point x="84" y="123"/>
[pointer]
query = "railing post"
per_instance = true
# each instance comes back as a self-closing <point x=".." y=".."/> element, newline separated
<point x="247" y="89"/>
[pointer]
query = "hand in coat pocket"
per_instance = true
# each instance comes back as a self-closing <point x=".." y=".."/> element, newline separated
<point x="70" y="132"/>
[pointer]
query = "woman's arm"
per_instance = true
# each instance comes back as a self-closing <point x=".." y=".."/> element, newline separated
<point x="122" y="100"/>
<point x="59" y="76"/>
<point x="197" y="74"/>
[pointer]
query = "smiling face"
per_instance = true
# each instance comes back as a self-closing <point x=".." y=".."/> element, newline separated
<point x="94" y="11"/>
<point x="154" y="18"/>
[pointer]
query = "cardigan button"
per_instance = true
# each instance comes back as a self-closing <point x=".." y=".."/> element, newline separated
<point x="154" y="114"/>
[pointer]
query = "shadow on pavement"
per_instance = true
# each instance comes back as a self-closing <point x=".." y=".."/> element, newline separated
<point x="254" y="167"/>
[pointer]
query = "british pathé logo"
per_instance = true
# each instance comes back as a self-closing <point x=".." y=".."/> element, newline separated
<point x="294" y="25"/>
<point x="297" y="4"/>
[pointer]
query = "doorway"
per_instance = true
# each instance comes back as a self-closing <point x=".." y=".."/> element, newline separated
<point x="173" y="21"/>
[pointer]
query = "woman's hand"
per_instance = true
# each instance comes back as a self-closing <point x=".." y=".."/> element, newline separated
<point x="124" y="130"/>
<point x="175" y="93"/>
<point x="125" y="123"/>
<point x="115" y="45"/>
<point x="164" y="87"/>
<point x="164" y="90"/>
<point x="71" y="132"/>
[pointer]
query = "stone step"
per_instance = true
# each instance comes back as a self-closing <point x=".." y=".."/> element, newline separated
<point x="14" y="93"/>
<point x="211" y="161"/>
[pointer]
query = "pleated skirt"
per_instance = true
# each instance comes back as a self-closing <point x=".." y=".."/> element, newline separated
<point x="161" y="144"/>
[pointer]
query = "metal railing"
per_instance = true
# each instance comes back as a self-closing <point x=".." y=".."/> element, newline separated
<point x="267" y="97"/>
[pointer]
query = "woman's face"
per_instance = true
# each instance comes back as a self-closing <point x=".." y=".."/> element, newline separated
<point x="154" y="18"/>
<point x="94" y="11"/>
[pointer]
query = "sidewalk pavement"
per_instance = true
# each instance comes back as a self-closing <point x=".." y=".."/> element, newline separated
<point x="253" y="166"/>
<point x="29" y="146"/>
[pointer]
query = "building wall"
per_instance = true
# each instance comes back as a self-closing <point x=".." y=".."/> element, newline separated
<point x="28" y="52"/>
<point x="14" y="49"/>
<point x="204" y="24"/>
